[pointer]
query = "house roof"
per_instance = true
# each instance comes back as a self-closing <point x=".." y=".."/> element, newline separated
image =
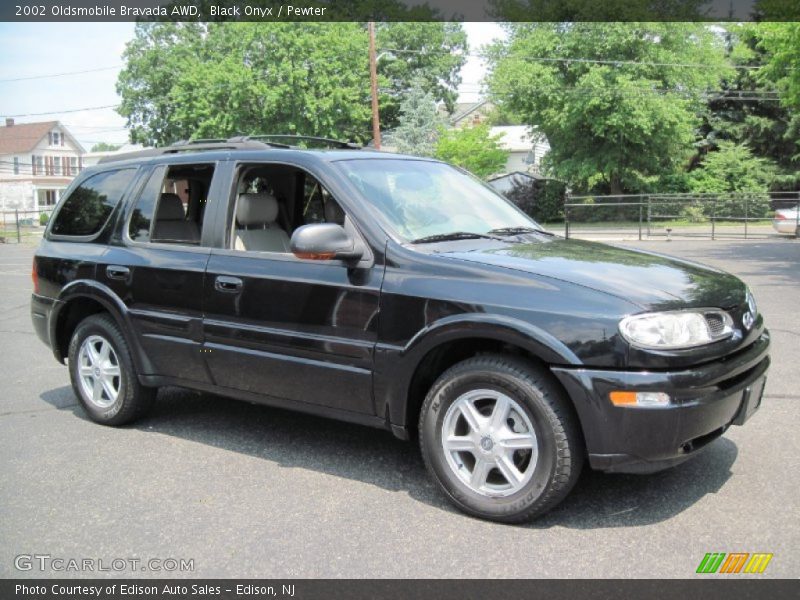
<point x="464" y="109"/>
<point x="23" y="137"/>
<point x="517" y="138"/>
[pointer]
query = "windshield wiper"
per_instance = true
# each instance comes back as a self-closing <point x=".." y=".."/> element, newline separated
<point x="518" y="231"/>
<point x="455" y="235"/>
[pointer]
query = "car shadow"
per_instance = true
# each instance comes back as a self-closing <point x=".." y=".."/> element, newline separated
<point x="375" y="457"/>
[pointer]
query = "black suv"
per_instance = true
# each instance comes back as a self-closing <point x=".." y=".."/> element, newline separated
<point x="396" y="292"/>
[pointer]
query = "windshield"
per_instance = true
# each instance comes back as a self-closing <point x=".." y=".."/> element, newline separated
<point x="419" y="199"/>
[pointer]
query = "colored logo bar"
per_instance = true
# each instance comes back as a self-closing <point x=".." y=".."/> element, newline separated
<point x="735" y="562"/>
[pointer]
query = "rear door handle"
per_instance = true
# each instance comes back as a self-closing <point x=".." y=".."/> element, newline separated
<point x="118" y="272"/>
<point x="223" y="283"/>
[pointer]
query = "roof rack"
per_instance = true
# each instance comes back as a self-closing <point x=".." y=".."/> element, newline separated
<point x="241" y="142"/>
<point x="329" y="142"/>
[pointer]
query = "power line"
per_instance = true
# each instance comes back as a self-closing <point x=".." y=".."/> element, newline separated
<point x="61" y="112"/>
<point x="60" y="74"/>
<point x="609" y="61"/>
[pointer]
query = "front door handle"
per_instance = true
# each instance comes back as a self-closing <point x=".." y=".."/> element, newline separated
<point x="223" y="283"/>
<point x="118" y="272"/>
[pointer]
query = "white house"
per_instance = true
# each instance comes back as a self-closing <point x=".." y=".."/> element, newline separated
<point x="525" y="148"/>
<point x="37" y="161"/>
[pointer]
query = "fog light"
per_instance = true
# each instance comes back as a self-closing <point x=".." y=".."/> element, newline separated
<point x="639" y="398"/>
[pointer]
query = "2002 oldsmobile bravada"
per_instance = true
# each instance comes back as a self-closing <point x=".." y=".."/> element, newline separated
<point x="395" y="292"/>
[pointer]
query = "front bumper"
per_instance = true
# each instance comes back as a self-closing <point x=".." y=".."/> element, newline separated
<point x="785" y="225"/>
<point x="706" y="400"/>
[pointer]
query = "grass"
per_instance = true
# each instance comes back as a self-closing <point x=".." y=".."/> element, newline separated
<point x="655" y="224"/>
<point x="9" y="233"/>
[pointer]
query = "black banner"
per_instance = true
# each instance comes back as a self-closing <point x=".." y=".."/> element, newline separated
<point x="731" y="588"/>
<point x="288" y="11"/>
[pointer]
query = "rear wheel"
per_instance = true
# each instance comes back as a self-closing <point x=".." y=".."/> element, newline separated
<point x="500" y="439"/>
<point x="102" y="373"/>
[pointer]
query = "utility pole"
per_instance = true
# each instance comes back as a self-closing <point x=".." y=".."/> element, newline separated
<point x="373" y="79"/>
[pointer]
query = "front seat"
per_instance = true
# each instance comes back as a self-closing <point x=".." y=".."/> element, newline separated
<point x="256" y="229"/>
<point x="171" y="224"/>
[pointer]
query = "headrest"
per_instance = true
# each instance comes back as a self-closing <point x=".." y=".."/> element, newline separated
<point x="170" y="208"/>
<point x="256" y="209"/>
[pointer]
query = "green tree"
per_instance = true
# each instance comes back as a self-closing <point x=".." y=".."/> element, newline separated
<point x="617" y="101"/>
<point x="105" y="147"/>
<point x="732" y="169"/>
<point x="194" y="80"/>
<point x="432" y="53"/>
<point x="781" y="41"/>
<point x="419" y="123"/>
<point x="748" y="112"/>
<point x="472" y="148"/>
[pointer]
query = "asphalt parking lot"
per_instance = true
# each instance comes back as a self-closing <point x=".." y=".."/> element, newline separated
<point x="251" y="491"/>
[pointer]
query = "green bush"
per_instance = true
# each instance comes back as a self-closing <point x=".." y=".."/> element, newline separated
<point x="542" y="199"/>
<point x="43" y="218"/>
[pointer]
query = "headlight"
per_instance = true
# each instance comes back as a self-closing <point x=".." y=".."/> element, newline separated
<point x="676" y="330"/>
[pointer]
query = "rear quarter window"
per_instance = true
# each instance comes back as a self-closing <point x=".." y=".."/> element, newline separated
<point x="86" y="210"/>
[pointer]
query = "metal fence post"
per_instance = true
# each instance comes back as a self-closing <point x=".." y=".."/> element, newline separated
<point x="713" y="217"/>
<point x="640" y="221"/>
<point x="16" y="219"/>
<point x="746" y="204"/>
<point x="797" y="217"/>
<point x="648" y="217"/>
<point x="566" y="222"/>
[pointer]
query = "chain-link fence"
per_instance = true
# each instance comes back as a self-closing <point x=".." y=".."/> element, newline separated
<point x="17" y="226"/>
<point x="679" y="215"/>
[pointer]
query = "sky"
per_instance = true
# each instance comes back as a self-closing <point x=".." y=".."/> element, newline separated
<point x="35" y="49"/>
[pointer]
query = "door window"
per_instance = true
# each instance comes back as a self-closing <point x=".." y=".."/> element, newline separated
<point x="172" y="206"/>
<point x="274" y="200"/>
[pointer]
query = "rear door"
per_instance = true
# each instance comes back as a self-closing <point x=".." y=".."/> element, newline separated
<point x="158" y="266"/>
<point x="284" y="327"/>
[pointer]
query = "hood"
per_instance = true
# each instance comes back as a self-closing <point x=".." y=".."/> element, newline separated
<point x="653" y="281"/>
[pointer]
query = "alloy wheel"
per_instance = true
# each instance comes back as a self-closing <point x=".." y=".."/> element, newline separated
<point x="489" y="442"/>
<point x="99" y="371"/>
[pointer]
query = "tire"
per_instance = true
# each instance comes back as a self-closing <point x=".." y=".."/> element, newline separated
<point x="105" y="382"/>
<point x="539" y="437"/>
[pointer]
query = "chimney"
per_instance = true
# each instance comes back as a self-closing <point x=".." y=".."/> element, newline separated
<point x="9" y="122"/>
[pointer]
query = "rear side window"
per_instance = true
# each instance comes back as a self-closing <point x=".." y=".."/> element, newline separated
<point x="89" y="205"/>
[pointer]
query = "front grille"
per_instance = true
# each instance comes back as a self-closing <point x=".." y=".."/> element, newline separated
<point x="716" y="324"/>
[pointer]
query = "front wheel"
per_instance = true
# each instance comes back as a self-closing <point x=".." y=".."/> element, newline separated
<point x="103" y="375"/>
<point x="500" y="439"/>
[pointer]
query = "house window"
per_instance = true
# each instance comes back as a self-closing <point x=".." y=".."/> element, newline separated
<point x="16" y="165"/>
<point x="56" y="165"/>
<point x="55" y="141"/>
<point x="73" y="165"/>
<point x="48" y="198"/>
<point x="37" y="164"/>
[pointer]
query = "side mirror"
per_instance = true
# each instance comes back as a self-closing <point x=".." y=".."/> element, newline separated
<point x="324" y="241"/>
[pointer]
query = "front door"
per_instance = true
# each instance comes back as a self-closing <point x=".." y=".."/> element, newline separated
<point x="280" y="326"/>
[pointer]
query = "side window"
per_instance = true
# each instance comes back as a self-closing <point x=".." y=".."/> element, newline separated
<point x="88" y="207"/>
<point x="172" y="205"/>
<point x="272" y="201"/>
